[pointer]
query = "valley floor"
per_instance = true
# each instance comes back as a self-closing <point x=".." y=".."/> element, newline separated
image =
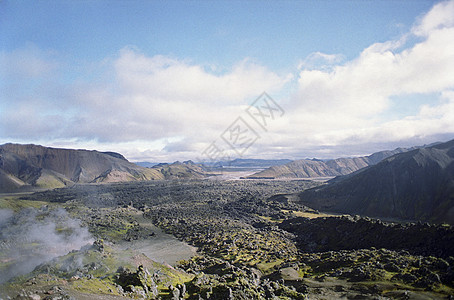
<point x="142" y="240"/>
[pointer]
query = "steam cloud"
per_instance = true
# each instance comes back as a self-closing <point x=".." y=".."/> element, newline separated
<point x="32" y="237"/>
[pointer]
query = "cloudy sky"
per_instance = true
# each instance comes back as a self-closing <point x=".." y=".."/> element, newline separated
<point x="172" y="80"/>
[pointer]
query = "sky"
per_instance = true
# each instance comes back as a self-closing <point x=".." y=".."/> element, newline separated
<point x="162" y="81"/>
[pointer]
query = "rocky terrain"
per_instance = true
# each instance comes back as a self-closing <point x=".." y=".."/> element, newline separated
<point x="250" y="245"/>
<point x="28" y="167"/>
<point x="416" y="185"/>
<point x="346" y="233"/>
<point x="311" y="168"/>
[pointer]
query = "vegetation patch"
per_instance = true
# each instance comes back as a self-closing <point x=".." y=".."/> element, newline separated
<point x="16" y="204"/>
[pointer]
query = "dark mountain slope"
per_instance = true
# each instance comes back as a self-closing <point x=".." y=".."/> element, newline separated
<point x="9" y="183"/>
<point x="307" y="168"/>
<point x="416" y="185"/>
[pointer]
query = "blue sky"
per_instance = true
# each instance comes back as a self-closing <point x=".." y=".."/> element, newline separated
<point x="276" y="33"/>
<point x="162" y="80"/>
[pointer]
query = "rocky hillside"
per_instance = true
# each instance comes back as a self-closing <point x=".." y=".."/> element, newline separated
<point x="181" y="170"/>
<point x="416" y="185"/>
<point x="25" y="167"/>
<point x="309" y="168"/>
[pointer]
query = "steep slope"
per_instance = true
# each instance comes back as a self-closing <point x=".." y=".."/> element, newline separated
<point x="38" y="166"/>
<point x="309" y="168"/>
<point x="9" y="183"/>
<point x="416" y="185"/>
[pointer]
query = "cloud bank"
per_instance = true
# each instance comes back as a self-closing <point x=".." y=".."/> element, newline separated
<point x="166" y="108"/>
<point x="351" y="104"/>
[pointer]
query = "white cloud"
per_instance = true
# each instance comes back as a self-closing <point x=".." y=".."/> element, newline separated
<point x="158" y="97"/>
<point x="346" y="104"/>
<point x="319" y="60"/>
<point x="167" y="108"/>
<point x="439" y="17"/>
<point x="172" y="79"/>
<point x="147" y="100"/>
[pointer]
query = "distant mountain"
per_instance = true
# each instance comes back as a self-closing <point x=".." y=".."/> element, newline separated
<point x="146" y="164"/>
<point x="181" y="170"/>
<point x="309" y="168"/>
<point x="249" y="163"/>
<point x="415" y="185"/>
<point x="25" y="167"/>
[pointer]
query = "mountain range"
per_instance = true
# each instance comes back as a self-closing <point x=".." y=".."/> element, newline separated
<point x="310" y="168"/>
<point x="407" y="184"/>
<point x="413" y="185"/>
<point x="25" y="167"/>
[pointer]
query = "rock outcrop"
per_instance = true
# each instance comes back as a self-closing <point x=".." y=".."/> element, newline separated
<point x="353" y="233"/>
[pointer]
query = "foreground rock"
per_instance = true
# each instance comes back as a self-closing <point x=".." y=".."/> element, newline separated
<point x="345" y="233"/>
